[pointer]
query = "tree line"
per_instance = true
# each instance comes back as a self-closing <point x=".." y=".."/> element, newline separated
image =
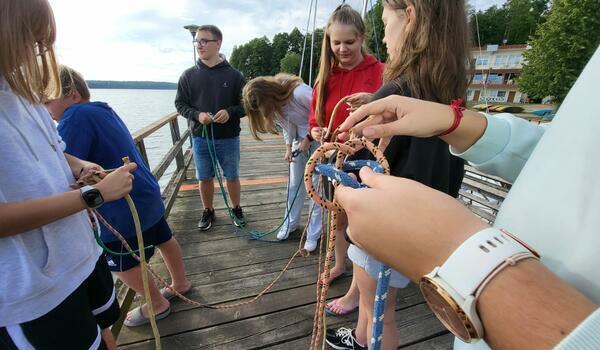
<point x="563" y="35"/>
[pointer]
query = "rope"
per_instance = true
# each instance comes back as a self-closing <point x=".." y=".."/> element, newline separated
<point x="487" y="107"/>
<point x="93" y="179"/>
<point x="312" y="44"/>
<point x="375" y="31"/>
<point x="253" y="234"/>
<point x="305" y="36"/>
<point x="339" y="176"/>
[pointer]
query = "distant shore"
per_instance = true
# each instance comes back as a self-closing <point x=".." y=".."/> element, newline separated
<point x="148" y="85"/>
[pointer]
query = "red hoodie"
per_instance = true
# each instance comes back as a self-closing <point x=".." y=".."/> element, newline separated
<point x="366" y="77"/>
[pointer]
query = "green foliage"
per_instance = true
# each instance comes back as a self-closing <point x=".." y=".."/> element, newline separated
<point x="514" y="22"/>
<point x="290" y="63"/>
<point x="263" y="57"/>
<point x="375" y="31"/>
<point x="561" y="48"/>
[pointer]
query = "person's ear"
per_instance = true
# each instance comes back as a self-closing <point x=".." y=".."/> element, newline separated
<point x="75" y="96"/>
<point x="411" y="16"/>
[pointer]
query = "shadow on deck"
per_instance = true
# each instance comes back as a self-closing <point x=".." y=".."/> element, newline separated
<point x="227" y="268"/>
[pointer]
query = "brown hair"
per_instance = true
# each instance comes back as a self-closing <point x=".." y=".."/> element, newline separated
<point x="433" y="57"/>
<point x="212" y="29"/>
<point x="27" y="60"/>
<point x="343" y="14"/>
<point x="72" y="80"/>
<point x="264" y="99"/>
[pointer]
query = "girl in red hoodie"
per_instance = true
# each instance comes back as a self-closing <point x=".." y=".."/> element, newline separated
<point x="345" y="69"/>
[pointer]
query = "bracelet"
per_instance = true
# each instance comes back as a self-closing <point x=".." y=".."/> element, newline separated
<point x="458" y="114"/>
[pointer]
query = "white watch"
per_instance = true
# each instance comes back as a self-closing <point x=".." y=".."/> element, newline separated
<point x="452" y="290"/>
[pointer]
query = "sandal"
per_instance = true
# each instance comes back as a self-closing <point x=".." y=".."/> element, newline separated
<point x="168" y="294"/>
<point x="138" y="319"/>
<point x="342" y="311"/>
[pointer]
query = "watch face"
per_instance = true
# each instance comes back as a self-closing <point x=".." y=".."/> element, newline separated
<point x="447" y="310"/>
<point x="92" y="198"/>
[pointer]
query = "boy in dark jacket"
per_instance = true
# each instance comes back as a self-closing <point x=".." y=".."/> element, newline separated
<point x="210" y="93"/>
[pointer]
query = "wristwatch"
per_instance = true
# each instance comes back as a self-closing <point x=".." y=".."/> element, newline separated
<point x="452" y="290"/>
<point x="91" y="196"/>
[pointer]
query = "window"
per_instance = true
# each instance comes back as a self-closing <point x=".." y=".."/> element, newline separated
<point x="481" y="60"/>
<point x="515" y="60"/>
<point x="477" y="78"/>
<point x="495" y="79"/>
<point x="501" y="94"/>
<point x="501" y="60"/>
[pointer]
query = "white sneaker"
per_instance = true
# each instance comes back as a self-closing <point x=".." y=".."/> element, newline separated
<point x="284" y="233"/>
<point x="310" y="245"/>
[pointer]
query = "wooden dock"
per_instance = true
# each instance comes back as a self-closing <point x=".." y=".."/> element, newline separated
<point x="225" y="267"/>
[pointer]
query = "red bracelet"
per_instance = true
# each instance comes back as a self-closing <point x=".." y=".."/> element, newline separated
<point x="458" y="114"/>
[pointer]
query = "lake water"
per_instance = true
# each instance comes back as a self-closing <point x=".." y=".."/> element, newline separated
<point x="139" y="108"/>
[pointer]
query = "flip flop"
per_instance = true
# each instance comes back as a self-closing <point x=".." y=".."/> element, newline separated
<point x="138" y="319"/>
<point x="334" y="303"/>
<point x="168" y="294"/>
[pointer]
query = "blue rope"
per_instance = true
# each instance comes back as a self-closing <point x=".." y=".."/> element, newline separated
<point x="383" y="280"/>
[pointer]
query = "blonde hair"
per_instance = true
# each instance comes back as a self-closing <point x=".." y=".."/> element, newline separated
<point x="264" y="99"/>
<point x="27" y="60"/>
<point x="71" y="80"/>
<point x="433" y="55"/>
<point x="343" y="14"/>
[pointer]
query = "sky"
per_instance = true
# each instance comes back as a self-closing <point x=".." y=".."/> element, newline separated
<point x="145" y="39"/>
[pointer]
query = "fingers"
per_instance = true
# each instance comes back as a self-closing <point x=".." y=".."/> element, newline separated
<point x="371" y="178"/>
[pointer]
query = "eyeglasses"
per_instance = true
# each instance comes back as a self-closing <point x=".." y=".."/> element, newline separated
<point x="204" y="42"/>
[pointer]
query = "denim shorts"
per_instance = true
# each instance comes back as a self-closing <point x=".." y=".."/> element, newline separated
<point x="372" y="267"/>
<point x="228" y="157"/>
<point x="157" y="234"/>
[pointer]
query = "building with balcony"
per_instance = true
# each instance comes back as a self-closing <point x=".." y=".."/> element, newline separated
<point x="496" y="68"/>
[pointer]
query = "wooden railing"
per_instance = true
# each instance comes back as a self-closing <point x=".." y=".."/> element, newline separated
<point x="182" y="159"/>
<point x="482" y="193"/>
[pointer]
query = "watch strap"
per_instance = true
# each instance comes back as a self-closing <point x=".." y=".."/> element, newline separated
<point x="477" y="258"/>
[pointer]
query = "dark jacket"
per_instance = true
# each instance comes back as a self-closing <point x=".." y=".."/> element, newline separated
<point x="210" y="89"/>
<point x="426" y="160"/>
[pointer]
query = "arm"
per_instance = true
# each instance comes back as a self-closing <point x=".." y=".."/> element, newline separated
<point x="397" y="115"/>
<point x="19" y="217"/>
<point x="183" y="100"/>
<point x="421" y="232"/>
<point x="80" y="167"/>
<point x="313" y="128"/>
<point x="237" y="110"/>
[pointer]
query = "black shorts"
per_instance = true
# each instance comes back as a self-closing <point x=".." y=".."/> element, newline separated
<point x="73" y="324"/>
<point x="155" y="235"/>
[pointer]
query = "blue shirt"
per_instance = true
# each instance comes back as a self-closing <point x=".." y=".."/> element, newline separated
<point x="94" y="132"/>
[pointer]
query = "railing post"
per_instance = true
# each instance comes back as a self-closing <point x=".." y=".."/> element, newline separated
<point x="176" y="136"/>
<point x="142" y="148"/>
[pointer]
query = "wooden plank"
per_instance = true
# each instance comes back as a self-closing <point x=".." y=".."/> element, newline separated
<point x="477" y="199"/>
<point x="170" y="192"/>
<point x="151" y="128"/>
<point x="485" y="188"/>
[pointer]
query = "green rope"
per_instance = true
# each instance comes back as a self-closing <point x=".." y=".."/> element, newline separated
<point x="254" y="234"/>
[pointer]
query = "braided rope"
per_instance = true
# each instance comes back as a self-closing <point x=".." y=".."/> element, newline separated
<point x="345" y="149"/>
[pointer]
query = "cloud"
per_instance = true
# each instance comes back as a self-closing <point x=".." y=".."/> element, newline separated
<point x="145" y="39"/>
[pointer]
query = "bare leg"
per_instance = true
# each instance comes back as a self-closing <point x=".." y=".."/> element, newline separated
<point x="108" y="339"/>
<point x="234" y="188"/>
<point x="133" y="279"/>
<point x="350" y="300"/>
<point x="207" y="191"/>
<point x="367" y="287"/>
<point x="341" y="247"/>
<point x="172" y="256"/>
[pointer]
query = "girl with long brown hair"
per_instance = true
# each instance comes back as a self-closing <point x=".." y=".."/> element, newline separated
<point x="284" y="100"/>
<point x="427" y="43"/>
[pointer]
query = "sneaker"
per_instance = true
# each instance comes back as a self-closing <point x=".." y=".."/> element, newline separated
<point x="208" y="216"/>
<point x="343" y="339"/>
<point x="284" y="233"/>
<point x="239" y="217"/>
<point x="310" y="245"/>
